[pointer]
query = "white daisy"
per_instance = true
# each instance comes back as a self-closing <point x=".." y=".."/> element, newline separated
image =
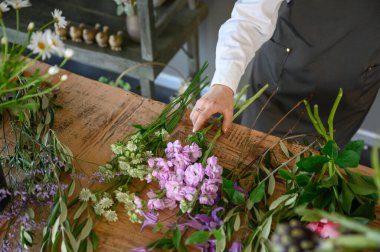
<point x="39" y="44"/>
<point x="18" y="4"/>
<point x="60" y="21"/>
<point x="53" y="70"/>
<point x="69" y="53"/>
<point x="55" y="42"/>
<point x="3" y="7"/>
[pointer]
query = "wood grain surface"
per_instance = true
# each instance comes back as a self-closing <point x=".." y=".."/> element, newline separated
<point x="95" y="115"/>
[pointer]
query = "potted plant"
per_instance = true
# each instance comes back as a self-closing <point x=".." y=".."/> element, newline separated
<point x="129" y="8"/>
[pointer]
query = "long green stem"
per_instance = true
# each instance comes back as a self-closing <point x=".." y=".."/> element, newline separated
<point x="332" y="113"/>
<point x="47" y="25"/>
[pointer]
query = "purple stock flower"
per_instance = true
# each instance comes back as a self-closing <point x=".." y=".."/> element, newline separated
<point x="138" y="202"/>
<point x="156" y="204"/>
<point x="173" y="190"/>
<point x="213" y="170"/>
<point x="194" y="174"/>
<point x="203" y="221"/>
<point x="170" y="203"/>
<point x="150" y="220"/>
<point x="194" y="152"/>
<point x="240" y="189"/>
<point x="236" y="247"/>
<point x="173" y="148"/>
<point x="188" y="192"/>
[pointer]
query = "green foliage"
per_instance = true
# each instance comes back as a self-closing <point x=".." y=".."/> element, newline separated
<point x="118" y="83"/>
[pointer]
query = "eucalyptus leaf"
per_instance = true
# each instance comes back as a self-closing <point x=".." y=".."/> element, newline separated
<point x="74" y="244"/>
<point x="63" y="215"/>
<point x="94" y="239"/>
<point x="237" y="223"/>
<point x="286" y="175"/>
<point x="271" y="184"/>
<point x="220" y="237"/>
<point x="45" y="102"/>
<point x="71" y="188"/>
<point x="89" y="247"/>
<point x="267" y="228"/>
<point x="80" y="210"/>
<point x="54" y="230"/>
<point x="177" y="238"/>
<point x="86" y="229"/>
<point x="278" y="201"/>
<point x="64" y="247"/>
<point x="284" y="149"/>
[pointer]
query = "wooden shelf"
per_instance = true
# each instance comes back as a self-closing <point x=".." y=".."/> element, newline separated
<point x="180" y="30"/>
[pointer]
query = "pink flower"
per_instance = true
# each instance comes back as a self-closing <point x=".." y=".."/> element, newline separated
<point x="210" y="186"/>
<point x="169" y="203"/>
<point x="188" y="192"/>
<point x="156" y="204"/>
<point x="213" y="170"/>
<point x="151" y="162"/>
<point x="173" y="148"/>
<point x="173" y="190"/>
<point x="195" y="152"/>
<point x="194" y="174"/>
<point x="207" y="199"/>
<point x="138" y="202"/>
<point x="325" y="228"/>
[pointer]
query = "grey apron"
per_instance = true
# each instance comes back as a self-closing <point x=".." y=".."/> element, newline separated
<point x="318" y="46"/>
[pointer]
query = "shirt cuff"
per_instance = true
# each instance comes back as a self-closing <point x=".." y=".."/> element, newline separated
<point x="228" y="75"/>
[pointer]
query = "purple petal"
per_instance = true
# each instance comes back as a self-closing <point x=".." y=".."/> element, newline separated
<point x="150" y="220"/>
<point x="214" y="213"/>
<point x="236" y="247"/>
<point x="240" y="189"/>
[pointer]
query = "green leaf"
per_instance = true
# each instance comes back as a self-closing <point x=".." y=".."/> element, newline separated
<point x="278" y="201"/>
<point x="271" y="184"/>
<point x="237" y="223"/>
<point x="361" y="190"/>
<point x="331" y="149"/>
<point x="164" y="243"/>
<point x="94" y="239"/>
<point x="198" y="237"/>
<point x="71" y="188"/>
<point x="266" y="228"/>
<point x="356" y="146"/>
<point x="54" y="230"/>
<point x="74" y="244"/>
<point x="302" y="180"/>
<point x="284" y="149"/>
<point x="63" y="215"/>
<point x="376" y="166"/>
<point x="220" y="237"/>
<point x="63" y="246"/>
<point x="80" y="210"/>
<point x="312" y="164"/>
<point x="286" y="175"/>
<point x="346" y="198"/>
<point x="89" y="247"/>
<point x="86" y="229"/>
<point x="238" y="198"/>
<point x="348" y="158"/>
<point x="177" y="238"/>
<point x="258" y="193"/>
<point x="308" y="194"/>
<point x="45" y="102"/>
<point x="365" y="211"/>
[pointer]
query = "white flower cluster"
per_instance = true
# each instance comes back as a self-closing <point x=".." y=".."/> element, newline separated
<point x="132" y="205"/>
<point x="131" y="158"/>
<point x="102" y="205"/>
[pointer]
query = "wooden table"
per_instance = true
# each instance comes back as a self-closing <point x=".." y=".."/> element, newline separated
<point x="95" y="115"/>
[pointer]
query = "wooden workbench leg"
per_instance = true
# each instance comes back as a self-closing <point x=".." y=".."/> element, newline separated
<point x="147" y="88"/>
<point x="193" y="54"/>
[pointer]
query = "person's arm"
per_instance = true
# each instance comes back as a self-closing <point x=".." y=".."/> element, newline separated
<point x="252" y="23"/>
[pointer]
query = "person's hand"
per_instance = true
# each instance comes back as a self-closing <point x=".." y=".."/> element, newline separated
<point x="219" y="99"/>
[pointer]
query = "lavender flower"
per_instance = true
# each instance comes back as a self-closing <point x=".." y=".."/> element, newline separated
<point x="150" y="220"/>
<point x="236" y="247"/>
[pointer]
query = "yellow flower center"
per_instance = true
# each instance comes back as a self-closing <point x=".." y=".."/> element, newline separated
<point x="41" y="45"/>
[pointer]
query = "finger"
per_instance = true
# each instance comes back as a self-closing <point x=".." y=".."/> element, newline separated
<point x="227" y="120"/>
<point x="202" y="117"/>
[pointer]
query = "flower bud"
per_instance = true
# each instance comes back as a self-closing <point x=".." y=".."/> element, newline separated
<point x="69" y="53"/>
<point x="53" y="70"/>
<point x="30" y="27"/>
<point x="4" y="40"/>
<point x="64" y="77"/>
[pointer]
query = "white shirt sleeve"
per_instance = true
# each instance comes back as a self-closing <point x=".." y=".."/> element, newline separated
<point x="252" y="23"/>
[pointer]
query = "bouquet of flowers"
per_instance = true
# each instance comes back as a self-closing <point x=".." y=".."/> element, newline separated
<point x="32" y="157"/>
